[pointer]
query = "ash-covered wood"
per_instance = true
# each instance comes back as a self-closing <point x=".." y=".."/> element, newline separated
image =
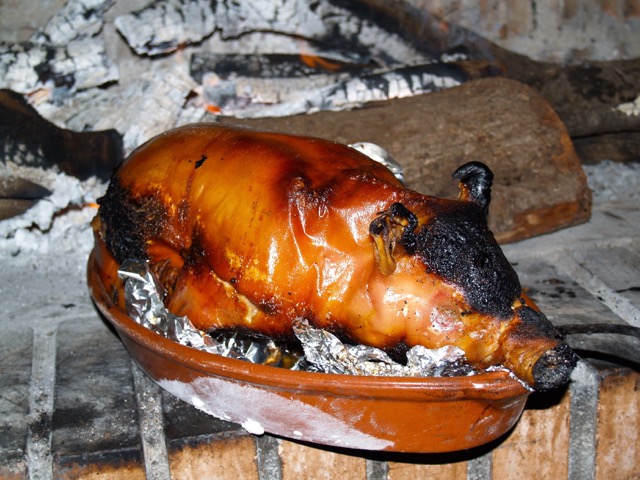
<point x="145" y="107"/>
<point x="75" y="19"/>
<point x="273" y="65"/>
<point x="21" y="188"/>
<point x="64" y="56"/>
<point x="79" y="65"/>
<point x="617" y="147"/>
<point x="166" y="25"/>
<point x="589" y="98"/>
<point x="539" y="184"/>
<point x="255" y="98"/>
<point x="27" y="139"/>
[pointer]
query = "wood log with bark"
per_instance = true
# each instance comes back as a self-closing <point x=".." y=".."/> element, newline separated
<point x="587" y="96"/>
<point x="539" y="184"/>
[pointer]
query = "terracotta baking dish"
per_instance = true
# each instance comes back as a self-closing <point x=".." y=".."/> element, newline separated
<point x="370" y="413"/>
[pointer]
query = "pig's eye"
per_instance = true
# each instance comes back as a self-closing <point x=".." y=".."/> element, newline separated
<point x="396" y="224"/>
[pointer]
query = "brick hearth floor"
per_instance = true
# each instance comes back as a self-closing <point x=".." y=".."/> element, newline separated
<point x="72" y="403"/>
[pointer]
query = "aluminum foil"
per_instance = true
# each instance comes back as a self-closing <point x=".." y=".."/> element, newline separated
<point x="144" y="304"/>
<point x="328" y="354"/>
<point x="320" y="350"/>
<point x="380" y="155"/>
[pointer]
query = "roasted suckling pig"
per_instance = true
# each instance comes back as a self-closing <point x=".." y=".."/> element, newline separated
<point x="250" y="230"/>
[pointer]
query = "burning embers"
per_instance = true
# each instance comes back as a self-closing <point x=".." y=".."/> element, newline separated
<point x="250" y="95"/>
<point x="195" y="58"/>
<point x="314" y="56"/>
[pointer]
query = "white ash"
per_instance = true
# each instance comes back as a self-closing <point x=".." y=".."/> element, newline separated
<point x="166" y="25"/>
<point x="81" y="64"/>
<point x="630" y="109"/>
<point x="153" y="103"/>
<point x="64" y="56"/>
<point x="76" y="19"/>
<point x="614" y="181"/>
<point x="59" y="223"/>
<point x="162" y="27"/>
<point x="253" y="43"/>
<point x="255" y="98"/>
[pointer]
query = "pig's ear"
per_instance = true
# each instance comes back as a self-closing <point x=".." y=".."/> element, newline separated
<point x="475" y="184"/>
<point x="394" y="224"/>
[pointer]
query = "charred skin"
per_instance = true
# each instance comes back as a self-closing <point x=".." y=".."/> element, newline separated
<point x="251" y="230"/>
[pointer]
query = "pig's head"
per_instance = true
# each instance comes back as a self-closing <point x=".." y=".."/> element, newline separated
<point x="451" y="241"/>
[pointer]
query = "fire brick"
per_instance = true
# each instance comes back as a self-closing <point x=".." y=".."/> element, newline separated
<point x="618" y="437"/>
<point x="15" y="373"/>
<point x="223" y="458"/>
<point x="95" y="421"/>
<point x="538" y="447"/>
<point x="302" y="461"/>
<point x="410" y="471"/>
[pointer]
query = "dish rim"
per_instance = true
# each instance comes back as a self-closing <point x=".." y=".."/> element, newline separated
<point x="498" y="385"/>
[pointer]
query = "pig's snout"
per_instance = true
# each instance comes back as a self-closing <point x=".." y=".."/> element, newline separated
<point x="535" y="353"/>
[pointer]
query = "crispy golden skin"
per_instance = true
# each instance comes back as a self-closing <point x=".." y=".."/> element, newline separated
<point x="252" y="229"/>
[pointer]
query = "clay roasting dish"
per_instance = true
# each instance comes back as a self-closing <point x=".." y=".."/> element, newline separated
<point x="250" y="230"/>
<point x="423" y="415"/>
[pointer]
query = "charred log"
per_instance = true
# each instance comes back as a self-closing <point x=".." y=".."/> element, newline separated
<point x="28" y="139"/>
